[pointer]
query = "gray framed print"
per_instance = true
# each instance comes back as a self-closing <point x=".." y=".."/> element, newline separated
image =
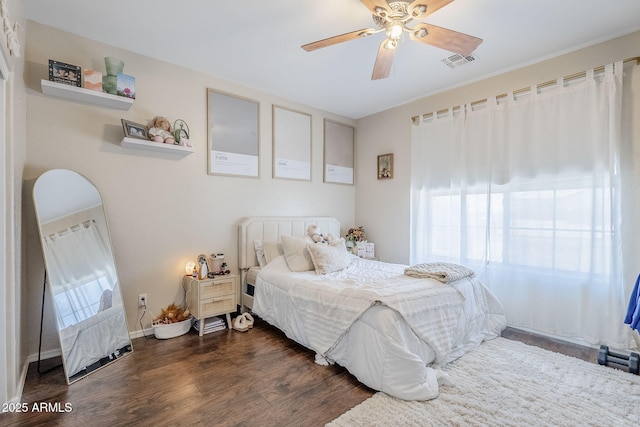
<point x="233" y="135"/>
<point x="339" y="153"/>
<point x="291" y="144"/>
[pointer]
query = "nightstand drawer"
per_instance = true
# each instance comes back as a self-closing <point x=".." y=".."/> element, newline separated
<point x="219" y="305"/>
<point x="210" y="289"/>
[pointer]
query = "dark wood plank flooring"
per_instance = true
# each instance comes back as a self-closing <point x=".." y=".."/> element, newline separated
<point x="226" y="378"/>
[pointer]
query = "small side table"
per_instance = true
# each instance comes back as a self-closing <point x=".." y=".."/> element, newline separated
<point x="211" y="297"/>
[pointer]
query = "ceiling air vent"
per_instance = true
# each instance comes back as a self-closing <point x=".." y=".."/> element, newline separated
<point x="457" y="60"/>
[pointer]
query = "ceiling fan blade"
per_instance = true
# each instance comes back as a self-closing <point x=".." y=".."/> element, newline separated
<point x="377" y="7"/>
<point x="339" y="39"/>
<point x="421" y="8"/>
<point x="444" y="38"/>
<point x="382" y="67"/>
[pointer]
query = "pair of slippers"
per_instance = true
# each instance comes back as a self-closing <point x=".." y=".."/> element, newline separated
<point x="243" y="323"/>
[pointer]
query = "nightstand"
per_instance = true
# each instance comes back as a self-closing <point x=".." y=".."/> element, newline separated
<point x="211" y="297"/>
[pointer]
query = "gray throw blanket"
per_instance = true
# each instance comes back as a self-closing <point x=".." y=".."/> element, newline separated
<point x="442" y="271"/>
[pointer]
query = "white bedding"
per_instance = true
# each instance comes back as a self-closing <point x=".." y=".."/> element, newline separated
<point x="388" y="329"/>
<point x="94" y="338"/>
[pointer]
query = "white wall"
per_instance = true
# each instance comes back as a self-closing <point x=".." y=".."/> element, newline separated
<point x="162" y="210"/>
<point x="382" y="206"/>
<point x="12" y="159"/>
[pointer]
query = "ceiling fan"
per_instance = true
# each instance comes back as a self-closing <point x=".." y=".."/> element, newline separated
<point x="392" y="17"/>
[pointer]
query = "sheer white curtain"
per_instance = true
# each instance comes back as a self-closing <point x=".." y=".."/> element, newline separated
<point x="527" y="192"/>
<point x="81" y="269"/>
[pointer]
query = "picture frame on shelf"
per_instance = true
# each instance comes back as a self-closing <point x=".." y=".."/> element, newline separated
<point x="134" y="130"/>
<point x="61" y="72"/>
<point x="385" y="166"/>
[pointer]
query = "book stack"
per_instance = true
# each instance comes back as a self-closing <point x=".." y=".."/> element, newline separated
<point x="210" y="324"/>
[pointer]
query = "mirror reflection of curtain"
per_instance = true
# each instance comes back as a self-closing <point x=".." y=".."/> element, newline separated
<point x="527" y="192"/>
<point x="83" y="281"/>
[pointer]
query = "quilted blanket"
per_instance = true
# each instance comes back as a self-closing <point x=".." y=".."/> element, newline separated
<point x="325" y="306"/>
<point x="442" y="271"/>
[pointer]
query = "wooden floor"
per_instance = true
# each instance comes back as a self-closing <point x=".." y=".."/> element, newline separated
<point x="226" y="378"/>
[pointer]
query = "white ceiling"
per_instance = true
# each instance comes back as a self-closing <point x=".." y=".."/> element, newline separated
<point x="256" y="43"/>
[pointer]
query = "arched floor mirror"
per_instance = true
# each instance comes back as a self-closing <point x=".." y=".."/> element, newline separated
<point x="82" y="277"/>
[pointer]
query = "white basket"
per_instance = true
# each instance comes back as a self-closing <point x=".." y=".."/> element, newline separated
<point x="172" y="330"/>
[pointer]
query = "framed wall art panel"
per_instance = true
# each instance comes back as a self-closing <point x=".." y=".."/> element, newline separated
<point x="338" y="153"/>
<point x="291" y="144"/>
<point x="234" y="137"/>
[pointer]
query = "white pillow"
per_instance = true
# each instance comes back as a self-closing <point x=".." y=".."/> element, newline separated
<point x="329" y="258"/>
<point x="267" y="251"/>
<point x="258" y="247"/>
<point x="296" y="253"/>
<point x="272" y="250"/>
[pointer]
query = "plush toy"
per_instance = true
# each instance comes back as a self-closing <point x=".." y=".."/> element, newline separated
<point x="172" y="314"/>
<point x="160" y="131"/>
<point x="314" y="233"/>
<point x="331" y="240"/>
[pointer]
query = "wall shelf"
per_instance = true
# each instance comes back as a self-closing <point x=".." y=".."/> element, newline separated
<point x="156" y="146"/>
<point x="87" y="96"/>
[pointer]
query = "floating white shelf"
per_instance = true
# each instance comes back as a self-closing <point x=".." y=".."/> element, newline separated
<point x="85" y="95"/>
<point x="156" y="146"/>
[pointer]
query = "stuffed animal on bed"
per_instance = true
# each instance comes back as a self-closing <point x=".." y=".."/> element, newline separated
<point x="314" y="233"/>
<point x="331" y="240"/>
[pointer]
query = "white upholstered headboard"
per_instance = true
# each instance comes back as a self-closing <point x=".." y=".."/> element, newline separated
<point x="272" y="228"/>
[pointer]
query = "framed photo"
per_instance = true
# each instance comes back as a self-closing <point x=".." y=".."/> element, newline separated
<point x="385" y="166"/>
<point x="234" y="135"/>
<point x="134" y="130"/>
<point x="291" y="144"/>
<point x="339" y="153"/>
<point x="68" y="74"/>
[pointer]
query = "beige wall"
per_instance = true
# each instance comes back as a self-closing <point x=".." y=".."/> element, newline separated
<point x="162" y="210"/>
<point x="383" y="206"/>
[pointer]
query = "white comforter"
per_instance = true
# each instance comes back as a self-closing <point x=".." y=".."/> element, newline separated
<point x="383" y="326"/>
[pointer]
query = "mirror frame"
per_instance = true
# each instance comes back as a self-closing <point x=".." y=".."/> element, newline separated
<point x="59" y="201"/>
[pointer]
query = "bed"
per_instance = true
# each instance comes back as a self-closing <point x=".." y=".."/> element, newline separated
<point x="392" y="331"/>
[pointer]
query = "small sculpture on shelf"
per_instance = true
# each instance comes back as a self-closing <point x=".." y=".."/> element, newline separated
<point x="181" y="133"/>
<point x="160" y="130"/>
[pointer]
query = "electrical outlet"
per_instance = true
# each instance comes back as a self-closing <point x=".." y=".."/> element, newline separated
<point x="142" y="300"/>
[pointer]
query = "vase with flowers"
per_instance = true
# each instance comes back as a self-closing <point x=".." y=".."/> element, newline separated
<point x="353" y="237"/>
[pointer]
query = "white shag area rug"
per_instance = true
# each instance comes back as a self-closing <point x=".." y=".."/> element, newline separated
<point x="508" y="383"/>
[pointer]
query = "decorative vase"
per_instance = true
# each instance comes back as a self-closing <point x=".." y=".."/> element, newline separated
<point x="110" y="84"/>
<point x="110" y="81"/>
<point x="113" y="65"/>
<point x="351" y="247"/>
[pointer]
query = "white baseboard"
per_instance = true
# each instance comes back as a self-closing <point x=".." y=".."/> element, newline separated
<point x="22" y="379"/>
<point x="141" y="333"/>
<point x="56" y="352"/>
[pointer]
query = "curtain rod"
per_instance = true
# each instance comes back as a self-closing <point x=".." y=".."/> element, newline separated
<point x="636" y="59"/>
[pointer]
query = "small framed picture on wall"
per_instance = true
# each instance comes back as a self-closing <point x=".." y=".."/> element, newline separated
<point x="385" y="166"/>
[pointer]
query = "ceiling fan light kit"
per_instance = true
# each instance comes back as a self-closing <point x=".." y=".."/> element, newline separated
<point x="392" y="18"/>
